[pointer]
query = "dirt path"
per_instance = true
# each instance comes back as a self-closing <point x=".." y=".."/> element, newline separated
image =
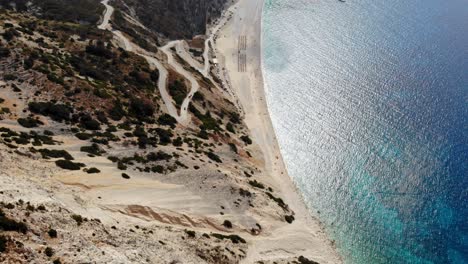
<point x="182" y="115"/>
<point x="107" y="15"/>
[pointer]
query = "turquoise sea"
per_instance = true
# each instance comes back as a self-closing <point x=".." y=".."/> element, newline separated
<point x="369" y="100"/>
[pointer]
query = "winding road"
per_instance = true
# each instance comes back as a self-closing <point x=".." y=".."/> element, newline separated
<point x="193" y="82"/>
<point x="181" y="116"/>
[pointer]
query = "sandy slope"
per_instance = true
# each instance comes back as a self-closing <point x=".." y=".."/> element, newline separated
<point x="305" y="236"/>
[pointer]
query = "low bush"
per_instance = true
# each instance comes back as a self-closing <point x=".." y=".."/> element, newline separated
<point x="158" y="169"/>
<point x="49" y="252"/>
<point x="304" y="260"/>
<point x="246" y="140"/>
<point x="52" y="233"/>
<point x="177" y="142"/>
<point x="234" y="238"/>
<point x="167" y="120"/>
<point x="125" y="176"/>
<point x="230" y="128"/>
<point x="178" y="91"/>
<point x="190" y="233"/>
<point x="164" y="135"/>
<point x="57" y="112"/>
<point x="141" y="109"/>
<point x="7" y="224"/>
<point x="69" y="165"/>
<point x="29" y="122"/>
<point x="121" y="166"/>
<point x="227" y="224"/>
<point x="289" y="218"/>
<point x="78" y="219"/>
<point x="279" y="201"/>
<point x="90" y="123"/>
<point x="94" y="149"/>
<point x="214" y="157"/>
<point x="233" y="147"/>
<point x="4" y="52"/>
<point x="3" y="243"/>
<point x="54" y="153"/>
<point x="92" y="170"/>
<point x="257" y="184"/>
<point x="160" y="155"/>
<point x="83" y="136"/>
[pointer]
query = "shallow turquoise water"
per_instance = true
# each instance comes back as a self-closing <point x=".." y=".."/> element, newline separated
<point x="370" y="103"/>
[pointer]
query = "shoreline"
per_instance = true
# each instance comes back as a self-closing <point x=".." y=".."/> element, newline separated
<point x="305" y="236"/>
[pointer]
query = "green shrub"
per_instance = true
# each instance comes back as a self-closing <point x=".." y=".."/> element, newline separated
<point x="53" y="153"/>
<point x="246" y="140"/>
<point x="203" y="134"/>
<point x="3" y="243"/>
<point x="303" y="260"/>
<point x="52" y="233"/>
<point x="167" y="120"/>
<point x="90" y="123"/>
<point x="57" y="112"/>
<point x="141" y="109"/>
<point x="69" y="165"/>
<point x="160" y="155"/>
<point x="257" y="184"/>
<point x="178" y="91"/>
<point x="92" y="170"/>
<point x="29" y="122"/>
<point x="121" y="166"/>
<point x="234" y="238"/>
<point x="234" y="118"/>
<point x="227" y="224"/>
<point x="99" y="50"/>
<point x="10" y="34"/>
<point x="164" y="136"/>
<point x="177" y="142"/>
<point x="4" y="52"/>
<point x="117" y="112"/>
<point x="7" y="224"/>
<point x="49" y="252"/>
<point x="190" y="233"/>
<point x="214" y="157"/>
<point x="279" y="201"/>
<point x="83" y="136"/>
<point x="233" y="147"/>
<point x="289" y="218"/>
<point x="230" y="128"/>
<point x="158" y="169"/>
<point x="78" y="219"/>
<point x="93" y="149"/>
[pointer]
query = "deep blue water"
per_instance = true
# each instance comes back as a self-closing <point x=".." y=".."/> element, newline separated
<point x="369" y="100"/>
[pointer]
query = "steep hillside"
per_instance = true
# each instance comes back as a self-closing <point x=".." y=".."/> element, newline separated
<point x="174" y="19"/>
<point x="97" y="166"/>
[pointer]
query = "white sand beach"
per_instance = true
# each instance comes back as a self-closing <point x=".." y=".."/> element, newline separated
<point x="304" y="236"/>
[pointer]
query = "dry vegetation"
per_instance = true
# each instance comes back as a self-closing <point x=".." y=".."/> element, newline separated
<point x="85" y="116"/>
